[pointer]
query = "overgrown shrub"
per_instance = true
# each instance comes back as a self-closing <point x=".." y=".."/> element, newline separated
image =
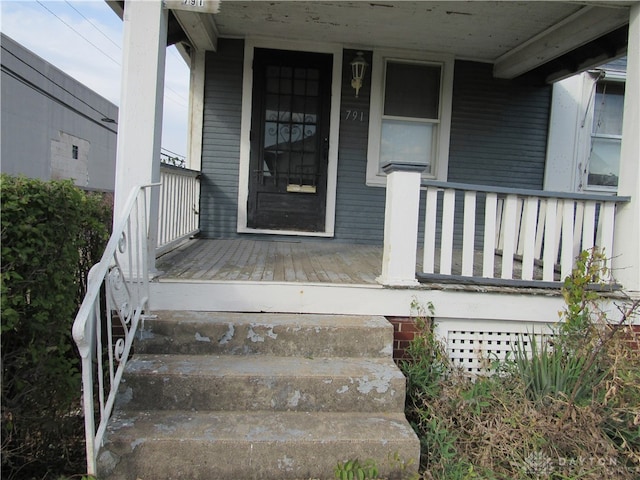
<point x="569" y="409"/>
<point x="52" y="232"/>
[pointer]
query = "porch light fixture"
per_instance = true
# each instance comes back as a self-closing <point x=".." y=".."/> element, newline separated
<point x="358" y="68"/>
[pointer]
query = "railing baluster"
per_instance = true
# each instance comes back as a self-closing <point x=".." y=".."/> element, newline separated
<point x="469" y="233"/>
<point x="528" y="236"/>
<point x="607" y="214"/>
<point x="431" y="208"/>
<point x="509" y="220"/>
<point x="577" y="228"/>
<point x="589" y="222"/>
<point x="566" y="253"/>
<point x="489" y="254"/>
<point x="518" y="235"/>
<point x="448" y="217"/>
<point x="550" y="253"/>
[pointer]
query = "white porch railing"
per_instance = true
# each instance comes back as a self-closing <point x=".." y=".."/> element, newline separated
<point x="536" y="234"/>
<point x="104" y="332"/>
<point x="178" y="209"/>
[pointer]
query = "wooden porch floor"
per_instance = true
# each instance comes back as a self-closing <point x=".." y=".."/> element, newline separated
<point x="290" y="261"/>
<point x="272" y="260"/>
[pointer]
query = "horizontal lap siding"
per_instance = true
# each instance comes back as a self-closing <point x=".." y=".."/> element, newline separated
<point x="498" y="129"/>
<point x="498" y="134"/>
<point x="360" y="209"/>
<point x="221" y="139"/>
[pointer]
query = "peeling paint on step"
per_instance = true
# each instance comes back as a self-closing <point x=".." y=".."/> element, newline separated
<point x="285" y="463"/>
<point x="143" y="334"/>
<point x="257" y="337"/>
<point x="124" y="396"/>
<point x="343" y="389"/>
<point x="226" y="338"/>
<point x="294" y="399"/>
<point x="200" y="338"/>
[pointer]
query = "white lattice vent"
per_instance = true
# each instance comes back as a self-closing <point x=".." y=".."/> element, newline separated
<point x="476" y="349"/>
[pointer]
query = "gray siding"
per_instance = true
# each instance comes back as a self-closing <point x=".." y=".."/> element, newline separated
<point x="498" y="135"/>
<point x="221" y="139"/>
<point x="498" y="129"/>
<point x="360" y="209"/>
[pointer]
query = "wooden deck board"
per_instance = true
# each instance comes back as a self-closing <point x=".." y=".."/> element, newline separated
<point x="278" y="261"/>
<point x="287" y="261"/>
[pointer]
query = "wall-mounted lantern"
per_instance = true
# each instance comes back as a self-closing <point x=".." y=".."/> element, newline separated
<point x="358" y="69"/>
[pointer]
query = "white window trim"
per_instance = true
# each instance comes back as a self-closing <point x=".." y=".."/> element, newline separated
<point x="441" y="163"/>
<point x="245" y="131"/>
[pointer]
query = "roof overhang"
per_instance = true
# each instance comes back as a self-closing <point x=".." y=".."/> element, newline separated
<point x="547" y="40"/>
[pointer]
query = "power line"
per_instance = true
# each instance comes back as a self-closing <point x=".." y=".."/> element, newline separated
<point x="178" y="95"/>
<point x="36" y="88"/>
<point x="55" y="83"/>
<point x="79" y="34"/>
<point x="94" y="25"/>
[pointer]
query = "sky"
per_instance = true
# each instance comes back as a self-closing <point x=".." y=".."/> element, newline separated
<point x="84" y="40"/>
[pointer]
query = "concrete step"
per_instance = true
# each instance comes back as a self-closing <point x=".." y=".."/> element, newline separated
<point x="170" y="445"/>
<point x="188" y="332"/>
<point x="262" y="382"/>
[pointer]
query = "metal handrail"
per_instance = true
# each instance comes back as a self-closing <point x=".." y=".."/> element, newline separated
<point x="122" y="277"/>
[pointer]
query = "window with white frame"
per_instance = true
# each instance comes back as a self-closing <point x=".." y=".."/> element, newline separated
<point x="606" y="135"/>
<point x="410" y="114"/>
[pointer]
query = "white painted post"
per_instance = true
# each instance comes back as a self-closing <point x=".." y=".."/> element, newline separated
<point x="626" y="260"/>
<point x="140" y="115"/>
<point x="401" y="224"/>
<point x="196" y="110"/>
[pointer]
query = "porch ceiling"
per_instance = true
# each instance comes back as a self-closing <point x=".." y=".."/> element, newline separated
<point x="551" y="38"/>
<point x="516" y="37"/>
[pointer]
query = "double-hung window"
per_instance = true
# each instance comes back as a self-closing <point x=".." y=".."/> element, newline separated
<point x="606" y="135"/>
<point x="410" y="114"/>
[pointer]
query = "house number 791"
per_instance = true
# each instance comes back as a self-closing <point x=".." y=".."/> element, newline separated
<point x="354" y="115"/>
<point x="193" y="3"/>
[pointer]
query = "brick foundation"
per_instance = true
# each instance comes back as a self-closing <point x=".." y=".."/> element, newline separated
<point x="404" y="329"/>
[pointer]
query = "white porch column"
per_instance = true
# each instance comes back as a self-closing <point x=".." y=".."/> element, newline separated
<point x="196" y="110"/>
<point x="626" y="261"/>
<point x="140" y="115"/>
<point x="401" y="224"/>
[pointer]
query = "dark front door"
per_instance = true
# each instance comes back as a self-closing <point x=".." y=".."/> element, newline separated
<point x="289" y="140"/>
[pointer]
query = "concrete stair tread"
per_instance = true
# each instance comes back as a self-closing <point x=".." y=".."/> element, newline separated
<point x="262" y="365"/>
<point x="294" y="320"/>
<point x="192" y="332"/>
<point x="263" y="445"/>
<point x="260" y="426"/>
<point x="259" y="382"/>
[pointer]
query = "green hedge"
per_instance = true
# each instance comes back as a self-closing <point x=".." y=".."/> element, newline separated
<point x="52" y="232"/>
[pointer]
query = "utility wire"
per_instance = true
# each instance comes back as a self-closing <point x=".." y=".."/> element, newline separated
<point x="181" y="103"/>
<point x="79" y="34"/>
<point x="93" y="25"/>
<point x="43" y="92"/>
<point x="52" y="81"/>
